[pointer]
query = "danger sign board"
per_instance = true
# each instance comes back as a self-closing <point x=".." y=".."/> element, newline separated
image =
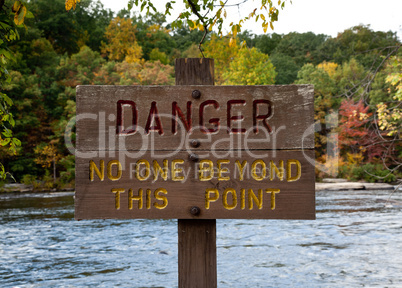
<point x="204" y="152"/>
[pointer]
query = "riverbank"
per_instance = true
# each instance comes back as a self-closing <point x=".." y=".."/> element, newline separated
<point x="338" y="184"/>
<point x="327" y="184"/>
<point x="18" y="187"/>
<point x="352" y="186"/>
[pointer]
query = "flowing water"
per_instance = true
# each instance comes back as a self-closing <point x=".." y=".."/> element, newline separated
<point x="356" y="241"/>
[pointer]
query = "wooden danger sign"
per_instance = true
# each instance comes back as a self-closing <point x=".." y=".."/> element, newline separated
<point x="203" y="152"/>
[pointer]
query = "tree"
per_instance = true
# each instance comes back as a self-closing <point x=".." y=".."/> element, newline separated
<point x="80" y="68"/>
<point x="47" y="156"/>
<point x="360" y="42"/>
<point x="69" y="31"/>
<point x="267" y="43"/>
<point x="157" y="55"/>
<point x="223" y="53"/>
<point x="152" y="35"/>
<point x="353" y="131"/>
<point x="285" y="67"/>
<point x="250" y="67"/>
<point x="390" y="118"/>
<point x="156" y="73"/>
<point x="302" y="47"/>
<point x="11" y="17"/>
<point x="121" y="41"/>
<point x="185" y="37"/>
<point x="207" y="14"/>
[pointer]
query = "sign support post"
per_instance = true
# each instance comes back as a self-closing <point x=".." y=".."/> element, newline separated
<point x="195" y="152"/>
<point x="196" y="237"/>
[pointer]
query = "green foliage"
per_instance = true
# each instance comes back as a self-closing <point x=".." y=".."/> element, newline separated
<point x="223" y="53"/>
<point x="121" y="41"/>
<point x="88" y="45"/>
<point x="368" y="172"/>
<point x="250" y="67"/>
<point x="12" y="15"/>
<point x="151" y="35"/>
<point x="302" y="47"/>
<point x="192" y="52"/>
<point x="69" y="31"/>
<point x="184" y="37"/>
<point x="268" y="43"/>
<point x="68" y="175"/>
<point x="28" y="179"/>
<point x="390" y="113"/>
<point x="362" y="43"/>
<point x="80" y="68"/>
<point x="324" y="89"/>
<point x="286" y="68"/>
<point x="157" y="55"/>
<point x="208" y="14"/>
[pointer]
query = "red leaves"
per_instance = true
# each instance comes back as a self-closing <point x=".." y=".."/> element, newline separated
<point x="358" y="133"/>
<point x="353" y="123"/>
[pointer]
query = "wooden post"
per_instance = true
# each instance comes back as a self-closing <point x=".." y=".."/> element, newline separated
<point x="197" y="238"/>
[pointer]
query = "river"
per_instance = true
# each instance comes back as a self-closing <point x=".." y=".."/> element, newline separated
<point x="356" y="241"/>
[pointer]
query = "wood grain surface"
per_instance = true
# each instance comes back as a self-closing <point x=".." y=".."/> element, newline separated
<point x="290" y="119"/>
<point x="95" y="199"/>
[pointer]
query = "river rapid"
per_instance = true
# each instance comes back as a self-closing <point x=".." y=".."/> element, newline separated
<point x="356" y="241"/>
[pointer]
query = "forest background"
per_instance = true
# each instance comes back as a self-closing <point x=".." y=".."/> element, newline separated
<point x="357" y="77"/>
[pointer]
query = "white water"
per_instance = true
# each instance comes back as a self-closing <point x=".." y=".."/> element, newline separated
<point x="356" y="241"/>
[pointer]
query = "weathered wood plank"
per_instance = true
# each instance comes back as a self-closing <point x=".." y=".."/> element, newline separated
<point x="197" y="253"/>
<point x="289" y="119"/>
<point x="95" y="199"/>
<point x="194" y="71"/>
<point x="197" y="238"/>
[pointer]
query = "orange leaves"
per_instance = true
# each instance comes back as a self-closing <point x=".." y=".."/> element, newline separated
<point x="46" y="155"/>
<point x="121" y="41"/>
<point x="20" y="11"/>
<point x="71" y="4"/>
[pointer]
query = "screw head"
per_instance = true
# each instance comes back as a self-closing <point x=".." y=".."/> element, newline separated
<point x="195" y="210"/>
<point x="193" y="157"/>
<point x="195" y="143"/>
<point x="196" y="94"/>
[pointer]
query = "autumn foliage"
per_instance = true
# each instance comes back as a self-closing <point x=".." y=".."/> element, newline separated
<point x="356" y="77"/>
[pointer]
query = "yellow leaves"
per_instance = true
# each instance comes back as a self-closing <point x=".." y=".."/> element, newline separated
<point x="329" y="67"/>
<point x="16" y="6"/>
<point x="235" y="29"/>
<point x="249" y="67"/>
<point x="395" y="78"/>
<point x="363" y="116"/>
<point x="389" y="120"/>
<point x="20" y="11"/>
<point x="121" y="41"/>
<point x="223" y="53"/>
<point x="71" y="4"/>
<point x="154" y="28"/>
<point x="46" y="155"/>
<point x="355" y="158"/>
<point x="197" y="25"/>
<point x="265" y="27"/>
<point x="232" y="42"/>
